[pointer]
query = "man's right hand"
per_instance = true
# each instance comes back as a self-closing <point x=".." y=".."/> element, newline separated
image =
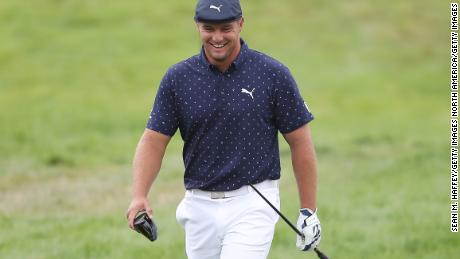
<point x="136" y="205"/>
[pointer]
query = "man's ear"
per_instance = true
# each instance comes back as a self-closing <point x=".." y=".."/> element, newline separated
<point x="241" y="22"/>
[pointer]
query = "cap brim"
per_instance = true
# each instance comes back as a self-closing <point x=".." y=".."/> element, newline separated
<point x="232" y="19"/>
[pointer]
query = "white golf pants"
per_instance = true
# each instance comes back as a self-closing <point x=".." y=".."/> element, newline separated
<point x="229" y="225"/>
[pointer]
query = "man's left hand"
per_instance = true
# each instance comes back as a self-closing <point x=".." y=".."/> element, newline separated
<point x="309" y="225"/>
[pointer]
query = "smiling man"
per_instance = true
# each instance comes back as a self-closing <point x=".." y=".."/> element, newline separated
<point x="221" y="41"/>
<point x="229" y="103"/>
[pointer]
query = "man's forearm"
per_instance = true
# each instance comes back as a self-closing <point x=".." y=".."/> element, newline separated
<point x="304" y="165"/>
<point x="147" y="163"/>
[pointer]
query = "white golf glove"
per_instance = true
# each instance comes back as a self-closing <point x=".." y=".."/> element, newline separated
<point x="308" y="223"/>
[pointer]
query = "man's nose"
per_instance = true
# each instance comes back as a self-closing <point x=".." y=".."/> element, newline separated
<point x="217" y="36"/>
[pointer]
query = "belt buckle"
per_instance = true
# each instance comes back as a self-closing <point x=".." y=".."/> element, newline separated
<point x="217" y="195"/>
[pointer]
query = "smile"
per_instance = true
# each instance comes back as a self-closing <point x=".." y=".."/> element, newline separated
<point x="218" y="46"/>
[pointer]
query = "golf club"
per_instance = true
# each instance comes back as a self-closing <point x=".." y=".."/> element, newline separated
<point x="319" y="253"/>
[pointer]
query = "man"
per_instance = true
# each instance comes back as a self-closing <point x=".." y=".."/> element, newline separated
<point x="229" y="102"/>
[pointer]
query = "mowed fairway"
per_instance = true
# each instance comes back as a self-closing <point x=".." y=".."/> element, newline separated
<point x="77" y="80"/>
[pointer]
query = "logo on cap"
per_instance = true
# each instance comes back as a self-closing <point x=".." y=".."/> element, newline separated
<point x="215" y="7"/>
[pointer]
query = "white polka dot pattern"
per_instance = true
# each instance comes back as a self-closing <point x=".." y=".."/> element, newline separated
<point x="229" y="121"/>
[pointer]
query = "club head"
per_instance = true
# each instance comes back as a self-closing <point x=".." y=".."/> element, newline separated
<point x="145" y="225"/>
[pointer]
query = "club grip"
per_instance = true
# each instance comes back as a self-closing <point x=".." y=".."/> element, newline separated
<point x="320" y="254"/>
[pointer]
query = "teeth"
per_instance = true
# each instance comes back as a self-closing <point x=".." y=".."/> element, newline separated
<point x="218" y="45"/>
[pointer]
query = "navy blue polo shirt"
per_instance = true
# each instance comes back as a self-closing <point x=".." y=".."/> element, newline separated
<point x="229" y="121"/>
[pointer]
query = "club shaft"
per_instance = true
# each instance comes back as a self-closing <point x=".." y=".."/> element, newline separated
<point x="277" y="211"/>
<point x="318" y="252"/>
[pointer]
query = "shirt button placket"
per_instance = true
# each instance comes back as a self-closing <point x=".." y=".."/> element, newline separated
<point x="222" y="88"/>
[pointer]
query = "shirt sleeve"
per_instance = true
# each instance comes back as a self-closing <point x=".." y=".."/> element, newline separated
<point x="291" y="112"/>
<point x="164" y="117"/>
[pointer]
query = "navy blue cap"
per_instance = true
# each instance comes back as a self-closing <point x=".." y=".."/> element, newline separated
<point x="218" y="11"/>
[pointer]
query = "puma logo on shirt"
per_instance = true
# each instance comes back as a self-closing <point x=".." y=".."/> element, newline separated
<point x="247" y="92"/>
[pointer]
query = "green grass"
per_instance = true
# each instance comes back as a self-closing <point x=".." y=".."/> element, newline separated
<point x="77" y="79"/>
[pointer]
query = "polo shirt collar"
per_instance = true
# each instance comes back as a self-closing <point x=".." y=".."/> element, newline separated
<point x="235" y="64"/>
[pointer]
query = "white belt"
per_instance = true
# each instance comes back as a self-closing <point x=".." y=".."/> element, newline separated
<point x="267" y="184"/>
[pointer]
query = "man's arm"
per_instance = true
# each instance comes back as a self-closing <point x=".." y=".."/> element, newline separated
<point x="304" y="165"/>
<point x="146" y="166"/>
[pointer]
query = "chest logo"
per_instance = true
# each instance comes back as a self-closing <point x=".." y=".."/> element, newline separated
<point x="215" y="7"/>
<point x="247" y="92"/>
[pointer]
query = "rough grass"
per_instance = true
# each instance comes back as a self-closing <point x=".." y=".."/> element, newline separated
<point x="77" y="79"/>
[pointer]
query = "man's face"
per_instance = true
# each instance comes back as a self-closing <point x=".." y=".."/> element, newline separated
<point x="220" y="40"/>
